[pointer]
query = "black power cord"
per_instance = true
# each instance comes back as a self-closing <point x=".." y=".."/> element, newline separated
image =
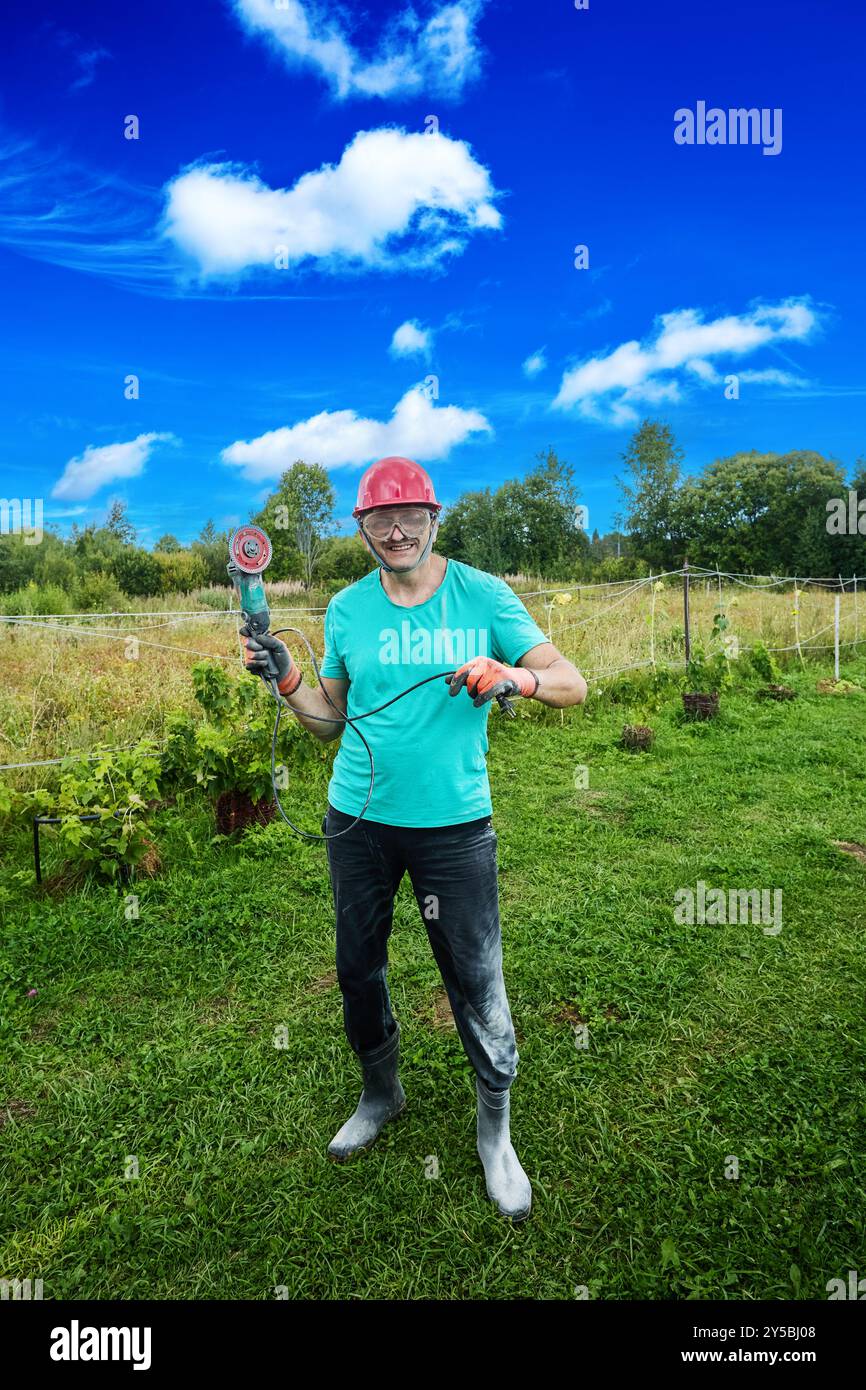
<point x="341" y="718"/>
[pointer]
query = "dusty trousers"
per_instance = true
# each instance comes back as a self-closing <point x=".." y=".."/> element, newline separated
<point x="453" y="872"/>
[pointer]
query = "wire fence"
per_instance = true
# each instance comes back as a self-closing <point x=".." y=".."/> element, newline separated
<point x="623" y="615"/>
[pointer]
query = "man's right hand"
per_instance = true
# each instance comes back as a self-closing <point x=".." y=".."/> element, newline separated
<point x="258" y="646"/>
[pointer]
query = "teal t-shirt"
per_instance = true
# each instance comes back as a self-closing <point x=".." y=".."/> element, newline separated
<point x="430" y="747"/>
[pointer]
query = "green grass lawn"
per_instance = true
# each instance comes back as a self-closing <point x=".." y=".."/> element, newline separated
<point x="155" y="1038"/>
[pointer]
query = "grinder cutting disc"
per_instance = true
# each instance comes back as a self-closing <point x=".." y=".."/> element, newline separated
<point x="250" y="549"/>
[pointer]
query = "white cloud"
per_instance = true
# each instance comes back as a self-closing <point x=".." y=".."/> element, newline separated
<point x="411" y="340"/>
<point x="394" y="201"/>
<point x="437" y="57"/>
<point x="705" y="371"/>
<point x="82" y="219"/>
<point x="535" y="363"/>
<point x="767" y="376"/>
<point x="771" y="376"/>
<point x="85" y="475"/>
<point x="609" y="386"/>
<point x="60" y="513"/>
<point x="417" y="428"/>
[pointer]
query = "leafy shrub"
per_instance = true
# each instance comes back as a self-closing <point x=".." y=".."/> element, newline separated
<point x="213" y="554"/>
<point x="36" y="599"/>
<point x="230" y="749"/>
<point x="180" y="571"/>
<point x="764" y="664"/>
<point x="646" y="691"/>
<point x="98" y="593"/>
<point x="57" y="568"/>
<point x="343" y="558"/>
<point x="115" y="787"/>
<point x="614" y="568"/>
<point x="137" y="572"/>
<point x="707" y="673"/>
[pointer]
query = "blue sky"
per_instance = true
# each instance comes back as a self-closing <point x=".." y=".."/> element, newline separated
<point x="291" y="248"/>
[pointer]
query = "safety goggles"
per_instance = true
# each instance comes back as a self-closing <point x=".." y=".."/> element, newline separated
<point x="412" y="521"/>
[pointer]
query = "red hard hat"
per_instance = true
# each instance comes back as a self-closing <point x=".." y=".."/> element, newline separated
<point x="393" y="480"/>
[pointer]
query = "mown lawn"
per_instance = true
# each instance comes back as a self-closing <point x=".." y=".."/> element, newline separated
<point x="155" y="1038"/>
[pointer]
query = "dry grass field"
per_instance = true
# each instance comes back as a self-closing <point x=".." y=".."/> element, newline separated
<point x="75" y="683"/>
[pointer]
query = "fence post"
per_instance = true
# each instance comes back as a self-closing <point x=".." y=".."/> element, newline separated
<point x="836" y="604"/>
<point x="549" y="607"/>
<point x="797" y="621"/>
<point x="686" y="621"/>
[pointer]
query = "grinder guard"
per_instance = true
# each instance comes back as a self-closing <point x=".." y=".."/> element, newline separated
<point x="250" y="553"/>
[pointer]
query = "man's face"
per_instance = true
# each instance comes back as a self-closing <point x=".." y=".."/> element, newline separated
<point x="399" y="534"/>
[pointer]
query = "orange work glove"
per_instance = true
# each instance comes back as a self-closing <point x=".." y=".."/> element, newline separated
<point x="288" y="676"/>
<point x="485" y="679"/>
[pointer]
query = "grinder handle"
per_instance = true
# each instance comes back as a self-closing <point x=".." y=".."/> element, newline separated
<point x="258" y="624"/>
<point x="255" y="613"/>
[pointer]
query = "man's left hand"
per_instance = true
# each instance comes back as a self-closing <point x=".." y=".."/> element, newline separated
<point x="485" y="679"/>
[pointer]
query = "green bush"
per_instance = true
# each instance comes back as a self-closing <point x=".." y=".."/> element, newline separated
<point x="706" y="673"/>
<point x="765" y="664"/>
<point x="213" y="554"/>
<point x="98" y="593"/>
<point x="646" y="690"/>
<point x="56" y="567"/>
<point x="115" y="787"/>
<point x="36" y="600"/>
<point x="180" y="571"/>
<point x="230" y="749"/>
<point x="343" y="558"/>
<point x="137" y="572"/>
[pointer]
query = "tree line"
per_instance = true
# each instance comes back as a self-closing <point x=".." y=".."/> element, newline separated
<point x="747" y="513"/>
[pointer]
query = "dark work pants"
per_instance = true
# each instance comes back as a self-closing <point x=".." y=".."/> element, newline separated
<point x="453" y="873"/>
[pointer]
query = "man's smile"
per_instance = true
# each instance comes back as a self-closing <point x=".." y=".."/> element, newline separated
<point x="401" y="547"/>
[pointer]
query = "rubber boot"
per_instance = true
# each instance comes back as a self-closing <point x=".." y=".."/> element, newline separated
<point x="507" y="1184"/>
<point x="381" y="1100"/>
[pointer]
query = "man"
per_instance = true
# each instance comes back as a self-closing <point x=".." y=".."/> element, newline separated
<point x="430" y="811"/>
